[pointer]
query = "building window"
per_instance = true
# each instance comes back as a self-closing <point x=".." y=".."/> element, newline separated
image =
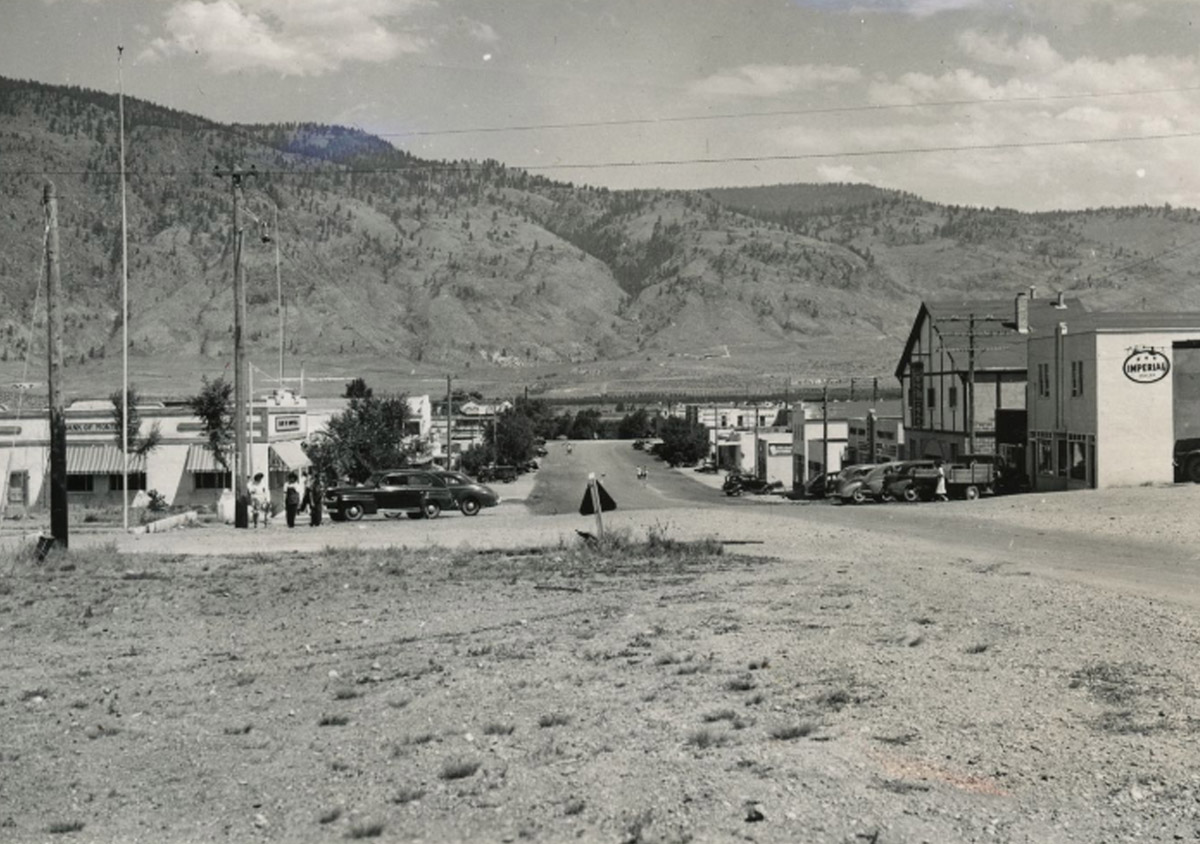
<point x="931" y="399"/>
<point x="1062" y="456"/>
<point x="1076" y="378"/>
<point x="952" y="397"/>
<point x="212" y="480"/>
<point x="1077" y="470"/>
<point x="741" y="421"/>
<point x="1045" y="456"/>
<point x="137" y="481"/>
<point x="18" y="488"/>
<point x="1043" y="380"/>
<point x="724" y="421"/>
<point x="80" y="483"/>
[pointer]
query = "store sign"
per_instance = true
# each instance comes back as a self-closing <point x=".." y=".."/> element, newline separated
<point x="779" y="449"/>
<point x="91" y="427"/>
<point x="286" y="423"/>
<point x="1145" y="366"/>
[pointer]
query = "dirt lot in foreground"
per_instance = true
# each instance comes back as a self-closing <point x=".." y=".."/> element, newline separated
<point x="854" y="688"/>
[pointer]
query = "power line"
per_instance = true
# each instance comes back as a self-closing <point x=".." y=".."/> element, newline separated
<point x="662" y="162"/>
<point x="801" y="112"/>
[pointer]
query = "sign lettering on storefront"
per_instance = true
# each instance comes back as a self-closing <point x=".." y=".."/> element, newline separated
<point x="779" y="449"/>
<point x="1145" y="366"/>
<point x="91" y="427"/>
<point x="287" y="423"/>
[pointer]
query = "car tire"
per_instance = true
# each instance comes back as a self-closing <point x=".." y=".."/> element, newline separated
<point x="911" y="494"/>
<point x="431" y="509"/>
<point x="858" y="496"/>
<point x="469" y="506"/>
<point x="971" y="492"/>
<point x="353" y="512"/>
<point x="1192" y="469"/>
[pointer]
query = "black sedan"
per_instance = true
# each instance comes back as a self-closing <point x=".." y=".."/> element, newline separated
<point x="469" y="495"/>
<point x="415" y="492"/>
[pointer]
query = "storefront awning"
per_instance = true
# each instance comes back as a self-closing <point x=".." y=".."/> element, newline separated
<point x="288" y="456"/>
<point x="101" y="460"/>
<point x="200" y="459"/>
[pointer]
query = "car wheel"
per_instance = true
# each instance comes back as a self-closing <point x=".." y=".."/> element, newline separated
<point x="353" y="512"/>
<point x="971" y="492"/>
<point x="1192" y="469"/>
<point x="858" y="496"/>
<point x="911" y="494"/>
<point x="431" y="509"/>
<point x="469" y="506"/>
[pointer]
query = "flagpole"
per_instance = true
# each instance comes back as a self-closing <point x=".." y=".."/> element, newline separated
<point x="124" y="304"/>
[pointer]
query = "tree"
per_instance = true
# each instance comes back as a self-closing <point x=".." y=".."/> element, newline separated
<point x="682" y="441"/>
<point x="357" y="389"/>
<point x="514" y="438"/>
<point x="138" y="444"/>
<point x="368" y="436"/>
<point x="585" y="425"/>
<point x="215" y="410"/>
<point x="634" y="425"/>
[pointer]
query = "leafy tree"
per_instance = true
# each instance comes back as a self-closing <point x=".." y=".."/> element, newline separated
<point x="476" y="457"/>
<point x="634" y="425"/>
<point x="514" y="438"/>
<point x="585" y="425"/>
<point x="357" y="389"/>
<point x="215" y="410"/>
<point x="368" y="436"/>
<point x="138" y="444"/>
<point x="682" y="441"/>
<point x="539" y="415"/>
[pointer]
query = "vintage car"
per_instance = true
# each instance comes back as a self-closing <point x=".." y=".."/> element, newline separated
<point x="820" y="485"/>
<point x="417" y="493"/>
<point x="902" y="483"/>
<point x="848" y="486"/>
<point x="469" y="495"/>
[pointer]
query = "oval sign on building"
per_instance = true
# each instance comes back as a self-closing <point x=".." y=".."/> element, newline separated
<point x="1145" y="366"/>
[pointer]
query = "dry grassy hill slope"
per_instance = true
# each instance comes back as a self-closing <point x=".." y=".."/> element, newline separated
<point x="473" y="266"/>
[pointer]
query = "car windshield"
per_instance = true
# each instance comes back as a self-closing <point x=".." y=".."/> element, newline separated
<point x="455" y="479"/>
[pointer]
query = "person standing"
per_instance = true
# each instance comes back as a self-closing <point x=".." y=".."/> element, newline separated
<point x="260" y="499"/>
<point x="291" y="498"/>
<point x="312" y="498"/>
<point x="939" y="492"/>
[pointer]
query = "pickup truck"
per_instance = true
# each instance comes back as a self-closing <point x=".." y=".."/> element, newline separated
<point x="966" y="477"/>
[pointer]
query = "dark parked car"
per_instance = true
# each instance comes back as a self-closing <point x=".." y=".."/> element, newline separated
<point x="849" y="484"/>
<point x="415" y="492"/>
<point x="504" y="474"/>
<point x="820" y="485"/>
<point x="902" y="483"/>
<point x="469" y="495"/>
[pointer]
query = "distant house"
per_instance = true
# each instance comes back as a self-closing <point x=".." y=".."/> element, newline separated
<point x="964" y="370"/>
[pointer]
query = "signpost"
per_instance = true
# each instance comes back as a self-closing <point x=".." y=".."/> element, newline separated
<point x="596" y="500"/>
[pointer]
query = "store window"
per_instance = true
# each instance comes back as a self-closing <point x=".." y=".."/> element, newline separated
<point x="1062" y="456"/>
<point x="80" y="483"/>
<point x="137" y="481"/>
<point x="1077" y="453"/>
<point x="18" y="488"/>
<point x="1045" y="456"/>
<point x="212" y="480"/>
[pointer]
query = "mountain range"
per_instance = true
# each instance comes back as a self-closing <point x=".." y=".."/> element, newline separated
<point x="404" y="268"/>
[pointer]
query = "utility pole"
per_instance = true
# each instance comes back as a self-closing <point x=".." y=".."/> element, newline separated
<point x="970" y="391"/>
<point x="58" y="422"/>
<point x="825" y="428"/>
<point x="241" y="517"/>
<point x="278" y="285"/>
<point x="448" y="421"/>
<point x="124" y="305"/>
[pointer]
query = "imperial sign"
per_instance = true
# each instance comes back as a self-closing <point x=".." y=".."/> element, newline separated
<point x="1145" y="366"/>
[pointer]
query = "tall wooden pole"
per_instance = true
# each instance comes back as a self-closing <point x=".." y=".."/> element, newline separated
<point x="58" y="423"/>
<point x="448" y="420"/>
<point x="124" y="305"/>
<point x="825" y="427"/>
<point x="970" y="391"/>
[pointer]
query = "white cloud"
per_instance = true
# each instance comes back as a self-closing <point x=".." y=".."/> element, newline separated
<point x="291" y="37"/>
<point x="917" y="8"/>
<point x="755" y="80"/>
<point x="1032" y="52"/>
<point x="481" y="31"/>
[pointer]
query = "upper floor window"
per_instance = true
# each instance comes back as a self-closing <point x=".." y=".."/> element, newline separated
<point x="1076" y="378"/>
<point x="1043" y="380"/>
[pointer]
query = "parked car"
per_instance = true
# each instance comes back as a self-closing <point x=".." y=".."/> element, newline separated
<point x="469" y="495"/>
<point x="415" y="492"/>
<point x="820" y="485"/>
<point x="737" y="483"/>
<point x="901" y="486"/>
<point x="849" y="483"/>
<point x="504" y="474"/>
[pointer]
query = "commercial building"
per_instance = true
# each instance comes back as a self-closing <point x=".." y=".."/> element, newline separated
<point x="963" y="373"/>
<point x="1108" y="397"/>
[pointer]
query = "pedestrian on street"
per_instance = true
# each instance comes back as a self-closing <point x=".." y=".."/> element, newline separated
<point x="939" y="492"/>
<point x="291" y="498"/>
<point x="312" y="498"/>
<point x="260" y="499"/>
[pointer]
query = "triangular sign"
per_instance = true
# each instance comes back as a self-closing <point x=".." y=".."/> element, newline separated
<point x="587" y="508"/>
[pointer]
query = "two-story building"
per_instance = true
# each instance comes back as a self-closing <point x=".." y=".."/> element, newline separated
<point x="964" y="369"/>
<point x="1108" y="397"/>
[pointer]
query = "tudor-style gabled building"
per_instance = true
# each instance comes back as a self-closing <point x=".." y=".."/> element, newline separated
<point x="955" y="344"/>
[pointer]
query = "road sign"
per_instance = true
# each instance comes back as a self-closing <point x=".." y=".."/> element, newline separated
<point x="588" y="506"/>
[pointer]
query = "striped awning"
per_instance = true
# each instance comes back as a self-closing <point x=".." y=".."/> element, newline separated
<point x="288" y="455"/>
<point x="200" y="459"/>
<point x="101" y="460"/>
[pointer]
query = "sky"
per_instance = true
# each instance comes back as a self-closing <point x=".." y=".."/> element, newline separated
<point x="1025" y="104"/>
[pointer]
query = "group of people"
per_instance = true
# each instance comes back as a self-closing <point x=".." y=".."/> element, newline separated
<point x="299" y="496"/>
